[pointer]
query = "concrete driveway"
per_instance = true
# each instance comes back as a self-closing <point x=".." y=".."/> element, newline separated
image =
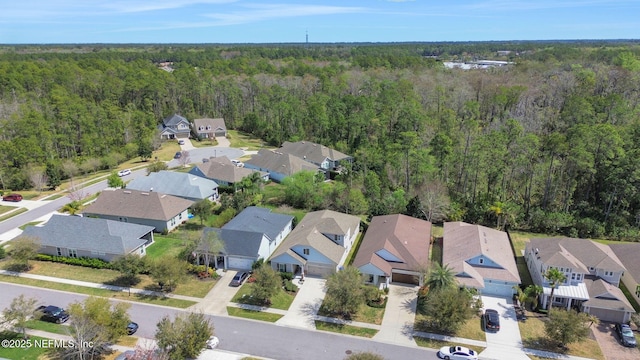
<point x="306" y="304"/>
<point x="506" y="343"/>
<point x="399" y="315"/>
<point x="216" y="301"/>
<point x="609" y="342"/>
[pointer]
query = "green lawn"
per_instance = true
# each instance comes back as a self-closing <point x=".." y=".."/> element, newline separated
<point x="346" y="329"/>
<point x="29" y="224"/>
<point x="273" y="193"/>
<point x="471" y="329"/>
<point x="281" y="301"/>
<point x="164" y="245"/>
<point x="21" y="353"/>
<point x="437" y="344"/>
<point x="251" y="314"/>
<point x="4" y="209"/>
<point x="365" y="314"/>
<point x="12" y="214"/>
<point x="47" y="326"/>
<point x="243" y="140"/>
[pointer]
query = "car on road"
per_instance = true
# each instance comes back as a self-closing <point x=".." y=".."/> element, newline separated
<point x="52" y="314"/>
<point x="178" y="155"/>
<point x="237" y="163"/>
<point x="132" y="328"/>
<point x="181" y="142"/>
<point x="12" y="197"/>
<point x="457" y="353"/>
<point x="626" y="335"/>
<point x="213" y="342"/>
<point x="491" y="320"/>
<point x="239" y="278"/>
<point x="124" y="172"/>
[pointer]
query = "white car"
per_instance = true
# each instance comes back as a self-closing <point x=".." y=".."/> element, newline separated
<point x="237" y="163"/>
<point x="213" y="342"/>
<point x="124" y="172"/>
<point x="457" y="353"/>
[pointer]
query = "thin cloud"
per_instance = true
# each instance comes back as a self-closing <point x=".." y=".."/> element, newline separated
<point x="520" y="5"/>
<point x="145" y="5"/>
<point x="258" y="12"/>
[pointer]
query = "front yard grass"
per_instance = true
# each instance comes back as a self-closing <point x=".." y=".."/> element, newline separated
<point x="437" y="344"/>
<point x="252" y="314"/>
<point x="365" y="314"/>
<point x="4" y="209"/>
<point x="18" y="353"/>
<point x="12" y="214"/>
<point x="164" y="245"/>
<point x="240" y="139"/>
<point x="281" y="301"/>
<point x="471" y="329"/>
<point x="534" y="337"/>
<point x="346" y="329"/>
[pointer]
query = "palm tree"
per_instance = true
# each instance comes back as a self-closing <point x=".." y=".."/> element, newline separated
<point x="555" y="277"/>
<point x="533" y="292"/>
<point x="520" y="295"/>
<point x="441" y="277"/>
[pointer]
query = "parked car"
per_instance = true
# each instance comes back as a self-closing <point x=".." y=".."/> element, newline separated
<point x="237" y="163"/>
<point x="12" y="197"/>
<point x="178" y="155"/>
<point x="213" y="342"/>
<point x="491" y="320"/>
<point x="181" y="142"/>
<point x="132" y="328"/>
<point x="53" y="314"/>
<point x="457" y="353"/>
<point x="124" y="172"/>
<point x="626" y="335"/>
<point x="239" y="278"/>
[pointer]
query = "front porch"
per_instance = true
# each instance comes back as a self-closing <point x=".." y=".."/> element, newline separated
<point x="565" y="296"/>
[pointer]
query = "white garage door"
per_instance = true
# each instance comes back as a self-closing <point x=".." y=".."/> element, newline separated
<point x="239" y="263"/>
<point x="321" y="270"/>
<point x="608" y="315"/>
<point x="497" y="289"/>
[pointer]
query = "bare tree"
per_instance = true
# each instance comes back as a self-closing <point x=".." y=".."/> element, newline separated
<point x="37" y="177"/>
<point x="19" y="311"/>
<point x="435" y="201"/>
<point x="208" y="246"/>
<point x="70" y="168"/>
<point x="184" y="158"/>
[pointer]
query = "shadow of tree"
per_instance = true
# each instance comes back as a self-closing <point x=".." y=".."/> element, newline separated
<point x="19" y="267"/>
<point x="124" y="281"/>
<point x="544" y="343"/>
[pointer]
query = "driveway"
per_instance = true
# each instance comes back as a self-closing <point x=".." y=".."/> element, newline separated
<point x="399" y="315"/>
<point x="609" y="342"/>
<point x="215" y="302"/>
<point x="305" y="306"/>
<point x="506" y="343"/>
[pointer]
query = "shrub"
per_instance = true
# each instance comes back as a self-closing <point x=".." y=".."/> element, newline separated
<point x="3" y="252"/>
<point x="81" y="261"/>
<point x="286" y="276"/>
<point x="290" y="286"/>
<point x="379" y="304"/>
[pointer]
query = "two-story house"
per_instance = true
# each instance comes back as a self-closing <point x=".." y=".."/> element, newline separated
<point x="319" y="245"/>
<point x="174" y="126"/>
<point x="592" y="273"/>
<point x="208" y="128"/>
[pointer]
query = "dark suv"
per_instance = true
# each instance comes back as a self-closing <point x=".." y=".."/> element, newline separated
<point x="626" y="335"/>
<point x="53" y="314"/>
<point x="491" y="320"/>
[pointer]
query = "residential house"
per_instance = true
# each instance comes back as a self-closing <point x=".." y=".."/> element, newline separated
<point x="481" y="258"/>
<point x="592" y="272"/>
<point x="184" y="185"/>
<point x="629" y="256"/>
<point x="319" y="245"/>
<point x="224" y="172"/>
<point x="76" y="236"/>
<point x="394" y="248"/>
<point x="209" y="128"/>
<point x="163" y="212"/>
<point x="253" y="234"/>
<point x="277" y="164"/>
<point x="174" y="126"/>
<point x="319" y="155"/>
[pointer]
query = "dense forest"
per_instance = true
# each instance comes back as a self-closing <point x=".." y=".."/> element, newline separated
<point x="549" y="144"/>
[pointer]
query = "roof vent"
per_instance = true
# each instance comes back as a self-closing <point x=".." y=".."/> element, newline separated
<point x="126" y="192"/>
<point x="537" y="251"/>
<point x="144" y="194"/>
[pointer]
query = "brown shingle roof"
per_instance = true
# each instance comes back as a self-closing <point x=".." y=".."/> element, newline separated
<point x="575" y="253"/>
<point x="463" y="242"/>
<point x="221" y="168"/>
<point x="138" y="204"/>
<point x="312" y="152"/>
<point x="217" y="123"/>
<point x="278" y="162"/>
<point x="405" y="237"/>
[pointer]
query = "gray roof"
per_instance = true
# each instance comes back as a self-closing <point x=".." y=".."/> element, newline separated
<point x="243" y="234"/>
<point x="312" y="152"/>
<point x="311" y="228"/>
<point x="215" y="124"/>
<point x="138" y="204"/>
<point x="606" y="296"/>
<point x="184" y="185"/>
<point x="83" y="233"/>
<point x="222" y="169"/>
<point x="174" y="120"/>
<point x="260" y="220"/>
<point x="274" y="161"/>
<point x="238" y="242"/>
<point x="629" y="255"/>
<point x="575" y="253"/>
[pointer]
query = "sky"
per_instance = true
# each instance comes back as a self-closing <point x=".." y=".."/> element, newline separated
<point x="323" y="21"/>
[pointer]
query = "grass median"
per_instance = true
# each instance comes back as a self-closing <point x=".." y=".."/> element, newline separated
<point x="346" y="329"/>
<point x="252" y="314"/>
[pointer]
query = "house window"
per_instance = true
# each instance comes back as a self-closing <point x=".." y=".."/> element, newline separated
<point x="481" y="261"/>
<point x="59" y="251"/>
<point x="73" y="253"/>
<point x="282" y="267"/>
<point x="608" y="273"/>
<point x="370" y="278"/>
<point x="561" y="269"/>
<point x="305" y="251"/>
<point x="180" y="216"/>
<point x="573" y="276"/>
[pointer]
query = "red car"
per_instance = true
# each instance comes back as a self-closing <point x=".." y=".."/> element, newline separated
<point x="12" y="197"/>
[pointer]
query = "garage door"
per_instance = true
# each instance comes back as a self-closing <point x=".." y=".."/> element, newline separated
<point x="608" y="315"/>
<point x="320" y="270"/>
<point x="240" y="263"/>
<point x="404" y="278"/>
<point x="497" y="289"/>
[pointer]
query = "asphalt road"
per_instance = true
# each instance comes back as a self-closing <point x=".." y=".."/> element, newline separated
<point x="240" y="335"/>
